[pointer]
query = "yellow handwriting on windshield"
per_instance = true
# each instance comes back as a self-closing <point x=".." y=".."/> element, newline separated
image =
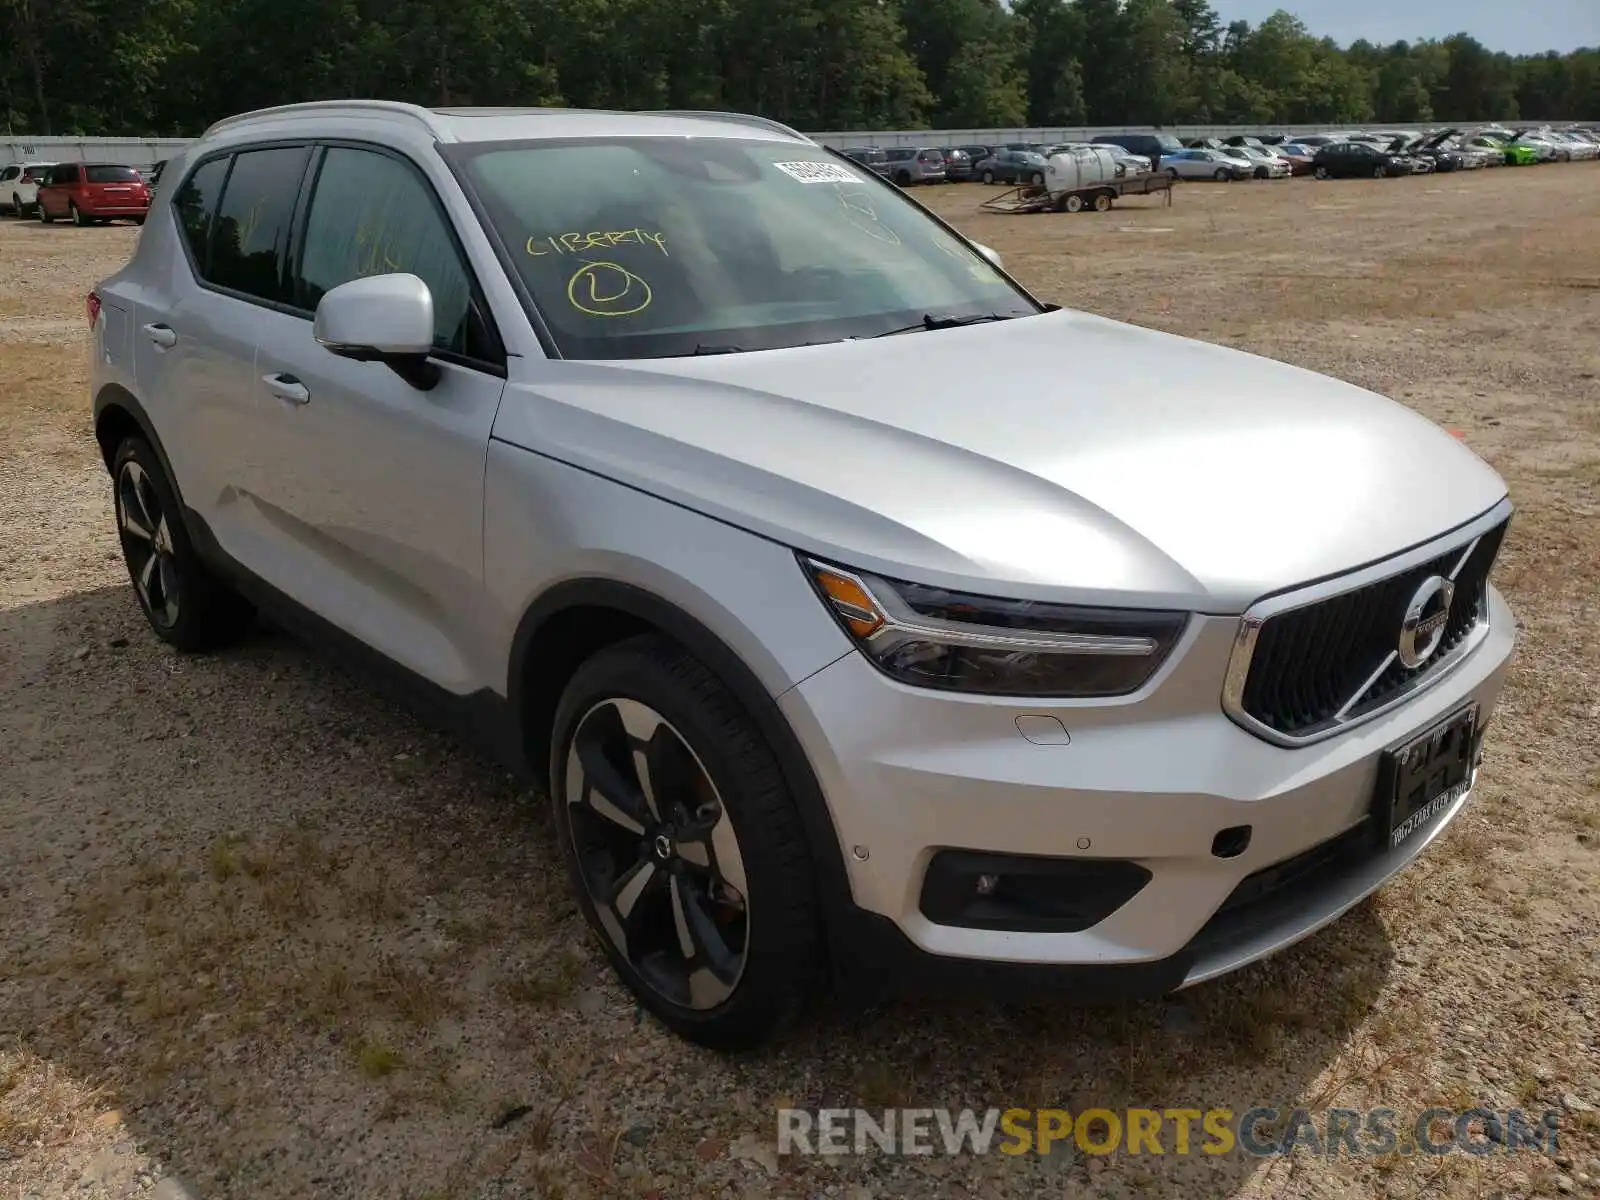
<point x="576" y="243"/>
<point x="603" y="289"/>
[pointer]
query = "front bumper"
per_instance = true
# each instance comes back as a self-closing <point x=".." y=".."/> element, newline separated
<point x="1151" y="779"/>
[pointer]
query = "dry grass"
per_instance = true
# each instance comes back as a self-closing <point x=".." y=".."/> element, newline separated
<point x="230" y="907"/>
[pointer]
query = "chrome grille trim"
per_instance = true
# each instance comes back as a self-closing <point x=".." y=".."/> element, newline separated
<point x="1465" y="538"/>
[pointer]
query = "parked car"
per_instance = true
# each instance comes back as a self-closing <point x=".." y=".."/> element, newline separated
<point x="778" y="697"/>
<point x="1318" y="140"/>
<point x="1133" y="164"/>
<point x="909" y="165"/>
<point x="1264" y="163"/>
<point x="1153" y="146"/>
<point x="871" y="157"/>
<point x="1511" y="153"/>
<point x="1409" y="151"/>
<point x="1301" y="158"/>
<point x="1345" y="160"/>
<point x="957" y="164"/>
<point x="1206" y="164"/>
<point x="89" y="193"/>
<point x="976" y="154"/>
<point x="1012" y="166"/>
<point x="19" y="186"/>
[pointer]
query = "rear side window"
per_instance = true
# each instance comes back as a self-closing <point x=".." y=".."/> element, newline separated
<point x="372" y="214"/>
<point x="196" y="205"/>
<point x="9" y="174"/>
<point x="250" y="235"/>
<point x="63" y="175"/>
<point x="105" y="174"/>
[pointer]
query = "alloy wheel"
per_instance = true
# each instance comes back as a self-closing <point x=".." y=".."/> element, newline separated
<point x="147" y="544"/>
<point x="657" y="854"/>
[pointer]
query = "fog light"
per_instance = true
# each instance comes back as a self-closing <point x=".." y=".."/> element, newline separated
<point x="977" y="890"/>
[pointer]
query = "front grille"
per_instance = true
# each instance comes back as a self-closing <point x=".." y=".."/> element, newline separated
<point x="1310" y="662"/>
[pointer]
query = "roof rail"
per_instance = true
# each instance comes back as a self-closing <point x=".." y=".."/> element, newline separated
<point x="415" y="112"/>
<point x="737" y="118"/>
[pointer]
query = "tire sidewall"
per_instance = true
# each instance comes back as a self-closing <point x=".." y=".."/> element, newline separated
<point x="209" y="613"/>
<point x="779" y="953"/>
<point x="137" y="450"/>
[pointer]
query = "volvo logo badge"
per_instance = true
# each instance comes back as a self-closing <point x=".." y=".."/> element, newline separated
<point x="1426" y="616"/>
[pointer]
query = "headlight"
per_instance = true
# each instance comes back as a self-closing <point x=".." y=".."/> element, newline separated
<point x="930" y="637"/>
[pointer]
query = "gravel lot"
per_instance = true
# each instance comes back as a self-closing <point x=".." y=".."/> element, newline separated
<point x="263" y="932"/>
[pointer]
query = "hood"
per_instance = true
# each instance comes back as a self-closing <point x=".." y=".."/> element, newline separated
<point x="1104" y="463"/>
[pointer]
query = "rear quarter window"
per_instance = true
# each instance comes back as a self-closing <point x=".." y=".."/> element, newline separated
<point x="195" y="205"/>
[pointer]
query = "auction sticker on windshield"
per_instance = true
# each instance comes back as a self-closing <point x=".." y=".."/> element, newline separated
<point x="818" y="172"/>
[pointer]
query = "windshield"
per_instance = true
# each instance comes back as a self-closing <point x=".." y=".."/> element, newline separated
<point x="658" y="247"/>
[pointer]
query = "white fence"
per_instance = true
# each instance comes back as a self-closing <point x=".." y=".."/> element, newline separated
<point x="144" y="151"/>
<point x="135" y="152"/>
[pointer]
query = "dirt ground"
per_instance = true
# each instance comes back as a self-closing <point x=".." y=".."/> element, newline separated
<point x="260" y="931"/>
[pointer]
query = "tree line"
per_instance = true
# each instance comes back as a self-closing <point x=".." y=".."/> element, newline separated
<point x="169" y="67"/>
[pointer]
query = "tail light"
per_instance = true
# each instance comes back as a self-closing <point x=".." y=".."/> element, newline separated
<point x="92" y="305"/>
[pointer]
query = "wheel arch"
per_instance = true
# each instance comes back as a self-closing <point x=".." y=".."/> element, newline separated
<point x="576" y="618"/>
<point x="119" y="415"/>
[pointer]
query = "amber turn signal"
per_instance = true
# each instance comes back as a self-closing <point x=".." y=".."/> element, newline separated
<point x="850" y="600"/>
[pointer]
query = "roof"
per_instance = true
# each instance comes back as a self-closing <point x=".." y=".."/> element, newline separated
<point x="505" y="124"/>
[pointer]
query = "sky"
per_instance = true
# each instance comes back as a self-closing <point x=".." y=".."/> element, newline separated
<point x="1517" y="27"/>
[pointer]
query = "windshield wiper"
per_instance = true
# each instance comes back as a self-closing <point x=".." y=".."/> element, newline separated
<point x="931" y="321"/>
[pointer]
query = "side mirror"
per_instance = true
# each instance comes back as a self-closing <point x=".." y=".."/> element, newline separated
<point x="381" y="318"/>
<point x="992" y="255"/>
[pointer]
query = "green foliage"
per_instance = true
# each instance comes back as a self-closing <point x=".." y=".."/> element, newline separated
<point x="157" y="67"/>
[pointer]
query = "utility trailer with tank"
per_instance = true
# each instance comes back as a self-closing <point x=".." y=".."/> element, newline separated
<point x="1079" y="178"/>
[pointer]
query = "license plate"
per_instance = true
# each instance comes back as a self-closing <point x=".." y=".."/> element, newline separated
<point x="1419" y="780"/>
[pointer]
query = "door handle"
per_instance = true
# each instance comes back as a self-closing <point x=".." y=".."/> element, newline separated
<point x="161" y="335"/>
<point x="287" y="387"/>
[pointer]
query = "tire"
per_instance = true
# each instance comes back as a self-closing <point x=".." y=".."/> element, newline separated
<point x="1172" y="174"/>
<point x="16" y="206"/>
<point x="1261" y="173"/>
<point x="1222" y="175"/>
<point x="137" y="220"/>
<point x="1102" y="202"/>
<point x="1380" y="172"/>
<point x="1321" y="172"/>
<point x="988" y="178"/>
<point x="77" y="216"/>
<point x="1072" y="203"/>
<point x="903" y="178"/>
<point x="646" y="702"/>
<point x="1036" y="179"/>
<point x="43" y="215"/>
<point x="186" y="604"/>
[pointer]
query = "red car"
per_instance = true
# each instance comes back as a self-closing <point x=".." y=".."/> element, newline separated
<point x="90" y="192"/>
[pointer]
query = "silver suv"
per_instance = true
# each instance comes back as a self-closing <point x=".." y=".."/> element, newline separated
<point x="911" y="164"/>
<point x="593" y="429"/>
